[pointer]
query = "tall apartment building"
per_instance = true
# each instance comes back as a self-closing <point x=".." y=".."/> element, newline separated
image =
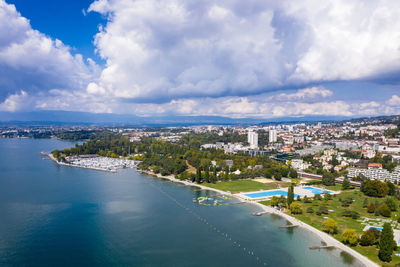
<point x="252" y="139"/>
<point x="273" y="137"/>
<point x="375" y="172"/>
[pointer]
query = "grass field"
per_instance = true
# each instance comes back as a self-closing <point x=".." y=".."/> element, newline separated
<point x="346" y="222"/>
<point x="244" y="186"/>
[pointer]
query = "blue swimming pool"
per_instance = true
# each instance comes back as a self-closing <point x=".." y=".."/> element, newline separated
<point x="377" y="228"/>
<point x="315" y="190"/>
<point x="268" y="194"/>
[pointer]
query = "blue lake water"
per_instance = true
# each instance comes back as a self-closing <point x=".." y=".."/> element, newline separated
<point x="61" y="216"/>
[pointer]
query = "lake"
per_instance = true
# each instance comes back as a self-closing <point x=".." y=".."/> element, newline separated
<point x="52" y="215"/>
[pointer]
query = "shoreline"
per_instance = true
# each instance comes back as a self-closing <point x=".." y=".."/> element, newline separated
<point x="324" y="237"/>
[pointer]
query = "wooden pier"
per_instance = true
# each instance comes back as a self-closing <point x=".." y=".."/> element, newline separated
<point x="289" y="226"/>
<point x="320" y="247"/>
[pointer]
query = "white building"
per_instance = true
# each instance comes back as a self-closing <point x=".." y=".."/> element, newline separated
<point x="252" y="139"/>
<point x="299" y="164"/>
<point x="374" y="173"/>
<point x="273" y="137"/>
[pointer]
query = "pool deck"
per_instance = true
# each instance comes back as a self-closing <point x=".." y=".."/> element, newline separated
<point x="298" y="190"/>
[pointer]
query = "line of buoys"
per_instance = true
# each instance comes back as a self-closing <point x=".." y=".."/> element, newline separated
<point x="212" y="227"/>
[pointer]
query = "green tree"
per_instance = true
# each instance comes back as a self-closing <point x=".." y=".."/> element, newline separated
<point x="268" y="173"/>
<point x="375" y="188"/>
<point x="365" y="203"/>
<point x="330" y="226"/>
<point x="278" y="176"/>
<point x="367" y="238"/>
<point x="328" y="179"/>
<point x="391" y="203"/>
<point x="284" y="171"/>
<point x="384" y="210"/>
<point x="295" y="208"/>
<point x="275" y="201"/>
<point x="350" y="237"/>
<point x="386" y="244"/>
<point x="198" y="175"/>
<point x="346" y="183"/>
<point x="290" y="195"/>
<point x="293" y="173"/>
<point x="392" y="189"/>
<point x="207" y="176"/>
<point x="371" y="208"/>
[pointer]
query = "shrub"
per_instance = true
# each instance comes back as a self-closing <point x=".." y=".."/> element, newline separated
<point x="323" y="209"/>
<point x="350" y="237"/>
<point x="275" y="201"/>
<point x="295" y="208"/>
<point x="371" y="208"/>
<point x="352" y="214"/>
<point x="330" y="226"/>
<point x="306" y="199"/>
<point x="310" y="210"/>
<point x="346" y="202"/>
<point x="327" y="196"/>
<point x="317" y="197"/>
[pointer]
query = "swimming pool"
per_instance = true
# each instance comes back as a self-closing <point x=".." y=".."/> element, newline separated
<point x="315" y="190"/>
<point x="265" y="194"/>
<point x="377" y="228"/>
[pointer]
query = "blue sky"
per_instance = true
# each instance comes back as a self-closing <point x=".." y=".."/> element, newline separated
<point x="185" y="57"/>
<point x="65" y="20"/>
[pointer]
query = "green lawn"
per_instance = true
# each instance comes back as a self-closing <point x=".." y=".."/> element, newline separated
<point x="244" y="186"/>
<point x="345" y="222"/>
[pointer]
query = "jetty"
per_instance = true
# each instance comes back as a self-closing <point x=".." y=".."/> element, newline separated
<point x="320" y="247"/>
<point x="288" y="226"/>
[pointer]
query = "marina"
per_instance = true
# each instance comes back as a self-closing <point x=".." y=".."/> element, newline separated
<point x="95" y="162"/>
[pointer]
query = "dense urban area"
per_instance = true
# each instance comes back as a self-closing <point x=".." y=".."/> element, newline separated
<point x="339" y="177"/>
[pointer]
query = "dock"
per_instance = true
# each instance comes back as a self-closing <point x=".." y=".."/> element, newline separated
<point x="288" y="226"/>
<point x="321" y="247"/>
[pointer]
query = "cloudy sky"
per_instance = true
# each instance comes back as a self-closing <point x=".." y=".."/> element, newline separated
<point x="182" y="57"/>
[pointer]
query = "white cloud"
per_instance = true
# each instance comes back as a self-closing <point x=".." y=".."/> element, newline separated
<point x="306" y="94"/>
<point x="15" y="102"/>
<point x="176" y="49"/>
<point x="34" y="62"/>
<point x="394" y="101"/>
<point x="349" y="39"/>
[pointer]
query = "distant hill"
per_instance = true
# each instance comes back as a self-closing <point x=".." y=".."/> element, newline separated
<point x="72" y="117"/>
